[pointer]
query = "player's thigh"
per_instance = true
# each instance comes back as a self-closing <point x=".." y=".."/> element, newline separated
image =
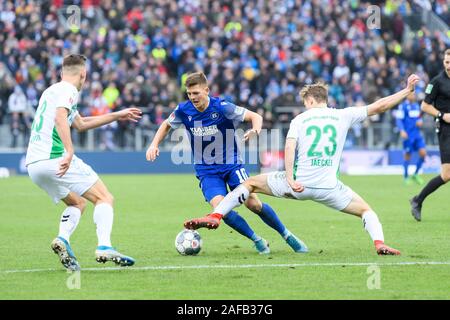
<point x="212" y="186"/>
<point x="99" y="193"/>
<point x="43" y="174"/>
<point x="357" y="205"/>
<point x="74" y="200"/>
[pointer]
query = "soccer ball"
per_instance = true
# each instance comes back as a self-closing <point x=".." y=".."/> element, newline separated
<point x="188" y="242"/>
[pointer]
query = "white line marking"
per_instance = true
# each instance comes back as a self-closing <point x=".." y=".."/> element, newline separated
<point x="242" y="266"/>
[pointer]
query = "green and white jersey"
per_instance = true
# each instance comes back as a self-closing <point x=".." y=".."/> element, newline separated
<point x="45" y="142"/>
<point x="320" y="135"/>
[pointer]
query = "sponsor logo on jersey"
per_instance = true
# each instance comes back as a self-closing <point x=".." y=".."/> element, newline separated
<point x="190" y="118"/>
<point x="204" y="131"/>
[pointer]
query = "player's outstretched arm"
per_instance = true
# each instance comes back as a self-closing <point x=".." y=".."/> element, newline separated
<point x="85" y="123"/>
<point x="256" y="121"/>
<point x="391" y="101"/>
<point x="153" y="149"/>
<point x="63" y="129"/>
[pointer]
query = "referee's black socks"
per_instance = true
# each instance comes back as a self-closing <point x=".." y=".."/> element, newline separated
<point x="431" y="186"/>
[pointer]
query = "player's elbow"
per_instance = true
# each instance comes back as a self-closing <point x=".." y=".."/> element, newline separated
<point x="80" y="126"/>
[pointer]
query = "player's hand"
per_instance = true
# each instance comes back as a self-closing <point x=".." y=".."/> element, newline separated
<point x="152" y="153"/>
<point x="64" y="164"/>
<point x="403" y="134"/>
<point x="130" y="114"/>
<point x="446" y="117"/>
<point x="419" y="124"/>
<point x="250" y="133"/>
<point x="412" y="81"/>
<point x="296" y="186"/>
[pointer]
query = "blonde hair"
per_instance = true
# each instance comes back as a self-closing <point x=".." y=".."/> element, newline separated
<point x="196" y="78"/>
<point x="319" y="91"/>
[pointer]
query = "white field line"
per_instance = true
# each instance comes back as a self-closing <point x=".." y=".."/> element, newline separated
<point x="242" y="266"/>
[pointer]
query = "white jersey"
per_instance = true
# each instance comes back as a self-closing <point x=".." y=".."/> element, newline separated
<point x="45" y="142"/>
<point x="320" y="135"/>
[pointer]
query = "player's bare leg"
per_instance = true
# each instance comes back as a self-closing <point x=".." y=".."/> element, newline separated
<point x="360" y="208"/>
<point x="103" y="200"/>
<point x="69" y="221"/>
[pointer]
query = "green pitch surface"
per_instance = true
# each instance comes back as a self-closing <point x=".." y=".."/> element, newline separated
<point x="150" y="210"/>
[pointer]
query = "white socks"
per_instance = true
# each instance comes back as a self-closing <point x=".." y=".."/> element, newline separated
<point x="69" y="221"/>
<point x="233" y="199"/>
<point x="373" y="226"/>
<point x="103" y="218"/>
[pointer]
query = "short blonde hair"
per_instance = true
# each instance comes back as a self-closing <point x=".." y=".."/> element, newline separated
<point x="319" y="91"/>
<point x="196" y="78"/>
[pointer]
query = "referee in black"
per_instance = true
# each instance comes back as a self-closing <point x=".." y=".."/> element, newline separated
<point x="437" y="104"/>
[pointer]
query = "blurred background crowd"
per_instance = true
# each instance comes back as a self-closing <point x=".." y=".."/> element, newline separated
<point x="255" y="53"/>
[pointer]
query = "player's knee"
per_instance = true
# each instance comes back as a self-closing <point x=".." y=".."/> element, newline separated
<point x="81" y="204"/>
<point x="445" y="175"/>
<point x="254" y="205"/>
<point x="106" y="198"/>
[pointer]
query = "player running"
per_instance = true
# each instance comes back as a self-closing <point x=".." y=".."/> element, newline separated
<point x="409" y="122"/>
<point x="318" y="135"/>
<point x="54" y="167"/>
<point x="210" y="123"/>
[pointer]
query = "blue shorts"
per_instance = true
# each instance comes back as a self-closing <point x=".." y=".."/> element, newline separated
<point x="414" y="144"/>
<point x="214" y="180"/>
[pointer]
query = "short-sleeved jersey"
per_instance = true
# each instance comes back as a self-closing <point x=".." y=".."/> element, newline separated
<point x="437" y="92"/>
<point x="407" y="116"/>
<point x="211" y="132"/>
<point x="320" y="135"/>
<point x="45" y="142"/>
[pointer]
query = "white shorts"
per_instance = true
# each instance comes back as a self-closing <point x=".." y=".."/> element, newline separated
<point x="79" y="178"/>
<point x="337" y="198"/>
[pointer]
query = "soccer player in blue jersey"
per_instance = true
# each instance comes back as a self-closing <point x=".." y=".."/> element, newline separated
<point x="409" y="122"/>
<point x="210" y="123"/>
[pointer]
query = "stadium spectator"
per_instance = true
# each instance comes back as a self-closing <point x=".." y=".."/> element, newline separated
<point x="256" y="54"/>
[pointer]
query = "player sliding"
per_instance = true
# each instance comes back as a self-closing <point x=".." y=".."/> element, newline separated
<point x="210" y="123"/>
<point x="318" y="136"/>
<point x="54" y="167"/>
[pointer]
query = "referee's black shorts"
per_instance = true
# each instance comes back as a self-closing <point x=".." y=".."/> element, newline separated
<point x="444" y="143"/>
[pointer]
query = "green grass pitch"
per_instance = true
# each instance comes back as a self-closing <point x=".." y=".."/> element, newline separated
<point x="150" y="210"/>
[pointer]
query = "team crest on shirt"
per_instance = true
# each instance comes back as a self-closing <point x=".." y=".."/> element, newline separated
<point x="214" y="115"/>
<point x="190" y="118"/>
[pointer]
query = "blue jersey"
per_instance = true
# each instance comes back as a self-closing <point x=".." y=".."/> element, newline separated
<point x="408" y="115"/>
<point x="211" y="132"/>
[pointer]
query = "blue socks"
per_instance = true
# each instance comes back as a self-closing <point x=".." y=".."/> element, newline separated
<point x="405" y="168"/>
<point x="235" y="221"/>
<point x="419" y="164"/>
<point x="269" y="216"/>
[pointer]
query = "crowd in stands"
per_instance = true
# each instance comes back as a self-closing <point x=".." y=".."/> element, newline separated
<point x="255" y="53"/>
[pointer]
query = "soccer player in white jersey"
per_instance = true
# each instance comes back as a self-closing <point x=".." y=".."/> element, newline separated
<point x="318" y="135"/>
<point x="54" y="167"/>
